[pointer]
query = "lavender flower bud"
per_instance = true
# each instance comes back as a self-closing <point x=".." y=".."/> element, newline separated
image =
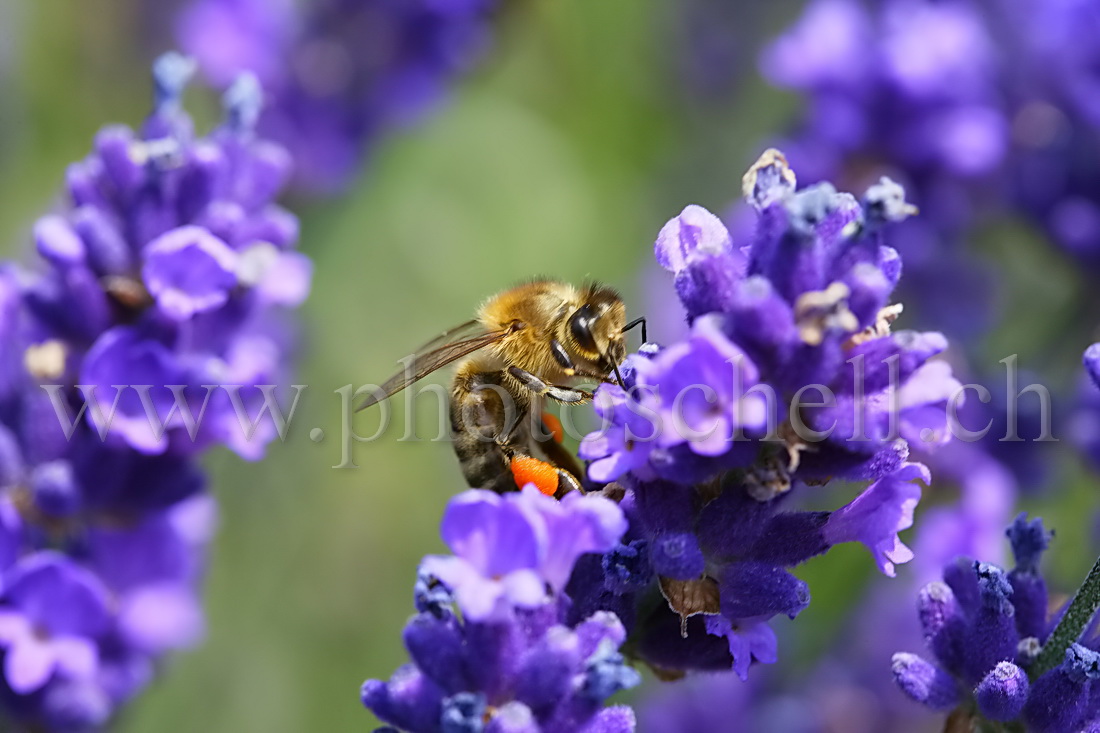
<point x="463" y="713"/>
<point x="677" y="555"/>
<point x="1091" y="360"/>
<point x="436" y="647"/>
<point x="108" y="253"/>
<point x="546" y="676"/>
<point x="57" y="242"/>
<point x="1058" y="699"/>
<point x="409" y="700"/>
<point x="1003" y="692"/>
<point x="1029" y="541"/>
<point x="752" y="589"/>
<point x="54" y="488"/>
<point x="171" y="73"/>
<point x="991" y="637"/>
<point x="513" y="717"/>
<point x="885" y="202"/>
<point x="606" y="673"/>
<point x="769" y="180"/>
<point x="626" y="568"/>
<point x="943" y="624"/>
<point x="924" y="682"/>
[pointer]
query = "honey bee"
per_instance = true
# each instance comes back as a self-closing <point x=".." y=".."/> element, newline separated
<point x="526" y="345"/>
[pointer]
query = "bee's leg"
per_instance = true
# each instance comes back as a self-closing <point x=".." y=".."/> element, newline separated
<point x="556" y="452"/>
<point x="561" y="356"/>
<point x="568" y="395"/>
<point x="564" y="463"/>
<point x="546" y="477"/>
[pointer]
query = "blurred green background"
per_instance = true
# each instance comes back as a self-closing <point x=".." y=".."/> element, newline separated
<point x="562" y="157"/>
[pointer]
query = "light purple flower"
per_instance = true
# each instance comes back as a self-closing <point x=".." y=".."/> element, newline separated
<point x="188" y="270"/>
<point x="152" y="570"/>
<point x="507" y="549"/>
<point x="575" y="525"/>
<point x="828" y="45"/>
<point x="750" y="640"/>
<point x="630" y="429"/>
<point x="702" y="383"/>
<point x="340" y="73"/>
<point x="231" y="36"/>
<point x="877" y="515"/>
<point x="122" y="359"/>
<point x="922" y="403"/>
<point x="697" y="248"/>
<point x="52" y="612"/>
<point x="935" y="49"/>
<point x="695" y="233"/>
<point x="497" y="551"/>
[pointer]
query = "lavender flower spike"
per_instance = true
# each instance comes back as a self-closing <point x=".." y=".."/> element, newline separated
<point x="984" y="651"/>
<point x="508" y="549"/>
<point x="711" y="435"/>
<point x="169" y="269"/>
<point x="55" y="612"/>
<point x="341" y="74"/>
<point x="515" y="663"/>
<point x="173" y="266"/>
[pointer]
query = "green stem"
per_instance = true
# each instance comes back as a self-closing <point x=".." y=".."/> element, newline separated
<point x="1080" y="612"/>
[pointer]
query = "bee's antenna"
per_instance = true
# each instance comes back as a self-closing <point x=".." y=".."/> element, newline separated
<point x="637" y="321"/>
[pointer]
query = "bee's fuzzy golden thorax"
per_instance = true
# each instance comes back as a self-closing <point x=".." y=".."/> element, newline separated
<point x="587" y="323"/>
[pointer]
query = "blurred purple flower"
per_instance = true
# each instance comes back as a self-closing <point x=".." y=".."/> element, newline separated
<point x="189" y="271"/>
<point x="983" y="110"/>
<point x="339" y="73"/>
<point x="171" y="269"/>
<point x="51" y="613"/>
<point x="173" y="257"/>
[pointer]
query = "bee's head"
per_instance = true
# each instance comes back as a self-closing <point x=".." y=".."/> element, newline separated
<point x="595" y="329"/>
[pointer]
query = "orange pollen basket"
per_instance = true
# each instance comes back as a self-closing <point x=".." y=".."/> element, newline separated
<point x="553" y="424"/>
<point x="528" y="470"/>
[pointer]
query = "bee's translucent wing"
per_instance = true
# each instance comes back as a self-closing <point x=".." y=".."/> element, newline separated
<point x="461" y="332"/>
<point x="437" y="353"/>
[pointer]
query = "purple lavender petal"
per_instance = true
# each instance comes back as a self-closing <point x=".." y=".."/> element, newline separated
<point x="493" y="535"/>
<point x="58" y="595"/>
<point x="125" y="357"/>
<point x="693" y="233"/>
<point x="878" y="514"/>
<point x="188" y="271"/>
<point x="28" y="664"/>
<point x="160" y="617"/>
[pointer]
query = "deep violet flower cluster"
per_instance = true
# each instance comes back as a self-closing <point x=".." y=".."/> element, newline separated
<point x="979" y="107"/>
<point x="984" y="627"/>
<point x="1084" y="426"/>
<point x="709" y="484"/>
<point x="849" y="687"/>
<point x="339" y="73"/>
<point x="172" y="267"/>
<point x="805" y="306"/>
<point x="169" y="268"/>
<point x="492" y="645"/>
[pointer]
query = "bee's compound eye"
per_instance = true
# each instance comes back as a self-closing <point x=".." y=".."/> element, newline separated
<point x="580" y="328"/>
